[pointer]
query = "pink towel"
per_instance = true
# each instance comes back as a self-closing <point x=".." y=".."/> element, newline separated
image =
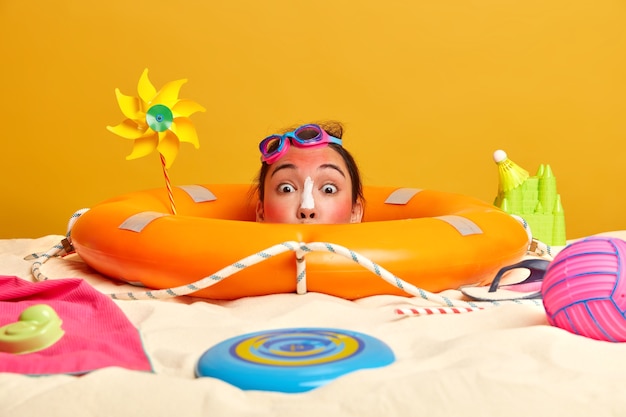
<point x="97" y="333"/>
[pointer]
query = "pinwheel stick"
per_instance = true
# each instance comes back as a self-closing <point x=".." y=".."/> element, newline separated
<point x="168" y="184"/>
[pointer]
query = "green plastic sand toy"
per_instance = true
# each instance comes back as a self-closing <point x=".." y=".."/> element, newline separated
<point x="535" y="199"/>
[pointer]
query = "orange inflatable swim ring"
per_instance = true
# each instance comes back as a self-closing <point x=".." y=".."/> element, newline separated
<point x="431" y="239"/>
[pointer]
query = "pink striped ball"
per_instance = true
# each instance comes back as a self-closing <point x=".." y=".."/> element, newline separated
<point x="584" y="289"/>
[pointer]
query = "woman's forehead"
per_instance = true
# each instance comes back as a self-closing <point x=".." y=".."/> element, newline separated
<point x="310" y="160"/>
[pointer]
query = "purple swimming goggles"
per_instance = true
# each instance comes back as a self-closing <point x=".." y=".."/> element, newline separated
<point x="306" y="136"/>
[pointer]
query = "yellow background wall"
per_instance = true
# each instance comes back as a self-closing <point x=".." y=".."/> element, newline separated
<point x="427" y="89"/>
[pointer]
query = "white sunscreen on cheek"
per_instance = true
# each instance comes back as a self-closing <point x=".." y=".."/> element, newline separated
<point x="307" y="194"/>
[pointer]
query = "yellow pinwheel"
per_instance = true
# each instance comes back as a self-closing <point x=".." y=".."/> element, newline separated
<point x="156" y="119"/>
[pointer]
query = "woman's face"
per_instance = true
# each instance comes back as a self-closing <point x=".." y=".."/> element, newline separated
<point x="309" y="185"/>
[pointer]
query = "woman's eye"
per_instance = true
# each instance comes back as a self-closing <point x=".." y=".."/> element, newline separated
<point x="286" y="188"/>
<point x="329" y="189"/>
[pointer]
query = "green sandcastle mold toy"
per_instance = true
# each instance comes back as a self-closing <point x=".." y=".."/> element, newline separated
<point x="535" y="199"/>
<point x="38" y="327"/>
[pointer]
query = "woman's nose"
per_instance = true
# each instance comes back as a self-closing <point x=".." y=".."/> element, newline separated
<point x="306" y="213"/>
<point x="307" y="202"/>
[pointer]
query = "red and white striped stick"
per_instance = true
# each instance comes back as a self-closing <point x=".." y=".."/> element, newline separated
<point x="170" y="195"/>
<point x="427" y="311"/>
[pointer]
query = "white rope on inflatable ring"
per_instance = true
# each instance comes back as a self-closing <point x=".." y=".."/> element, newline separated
<point x="300" y="249"/>
<point x="60" y="248"/>
<point x="535" y="247"/>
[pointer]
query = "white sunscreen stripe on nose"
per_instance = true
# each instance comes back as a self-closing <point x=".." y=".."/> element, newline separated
<point x="307" y="194"/>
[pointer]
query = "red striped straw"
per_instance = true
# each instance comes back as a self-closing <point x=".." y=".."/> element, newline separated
<point x="168" y="185"/>
<point x="427" y="311"/>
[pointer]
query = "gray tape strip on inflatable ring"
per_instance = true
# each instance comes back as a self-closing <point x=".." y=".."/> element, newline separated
<point x="402" y="196"/>
<point x="464" y="225"/>
<point x="137" y="222"/>
<point x="198" y="193"/>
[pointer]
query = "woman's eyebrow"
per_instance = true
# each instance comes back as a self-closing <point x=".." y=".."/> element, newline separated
<point x="332" y="166"/>
<point x="283" y="166"/>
